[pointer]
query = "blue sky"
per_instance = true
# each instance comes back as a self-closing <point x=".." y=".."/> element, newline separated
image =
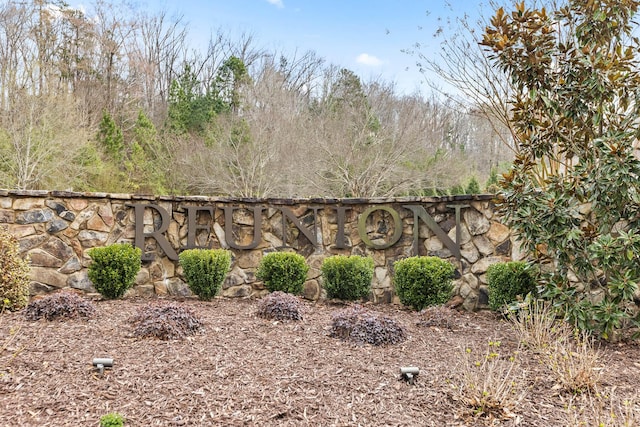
<point x="366" y="36"/>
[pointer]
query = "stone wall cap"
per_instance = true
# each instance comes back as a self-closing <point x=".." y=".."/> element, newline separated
<point x="65" y="194"/>
<point x="29" y="193"/>
<point x="250" y="200"/>
<point x="120" y="196"/>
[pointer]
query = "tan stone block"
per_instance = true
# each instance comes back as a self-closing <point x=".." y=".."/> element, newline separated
<point x="433" y="244"/>
<point x="24" y="204"/>
<point x="48" y="276"/>
<point x="77" y="247"/>
<point x="7" y="216"/>
<point x="498" y="233"/>
<point x="30" y="242"/>
<point x="272" y="240"/>
<point x="97" y="224"/>
<point x="41" y="258"/>
<point x="160" y="288"/>
<point x="90" y="238"/>
<point x="167" y="206"/>
<point x="106" y="213"/>
<point x="465" y="236"/>
<point x="517" y="254"/>
<point x="483" y="264"/>
<point x="311" y="290"/>
<point x="484" y="245"/>
<point x="156" y="272"/>
<point x="249" y="259"/>
<point x="470" y="252"/>
<point x="179" y="218"/>
<point x="476" y="222"/>
<point x="173" y="233"/>
<point x="20" y="231"/>
<point x="237" y="291"/>
<point x="142" y="277"/>
<point x="77" y="204"/>
<point x="82" y="219"/>
<point x="129" y="232"/>
<point x="141" y="291"/>
<point x="5" y="202"/>
<point x="168" y="267"/>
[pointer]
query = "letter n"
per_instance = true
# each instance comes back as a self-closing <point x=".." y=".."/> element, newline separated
<point x="420" y="213"/>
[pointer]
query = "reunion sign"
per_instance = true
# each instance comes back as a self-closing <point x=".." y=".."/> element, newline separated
<point x="417" y="212"/>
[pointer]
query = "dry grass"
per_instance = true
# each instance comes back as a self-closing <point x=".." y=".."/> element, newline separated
<point x="571" y="356"/>
<point x="491" y="384"/>
<point x="575" y="363"/>
<point x="537" y="326"/>
<point x="602" y="410"/>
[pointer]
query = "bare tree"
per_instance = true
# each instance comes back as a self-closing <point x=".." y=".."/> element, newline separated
<point x="362" y="137"/>
<point x="474" y="83"/>
<point x="37" y="137"/>
<point x="157" y="58"/>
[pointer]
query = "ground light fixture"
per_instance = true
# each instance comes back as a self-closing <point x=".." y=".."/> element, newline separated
<point x="100" y="363"/>
<point x="409" y="373"/>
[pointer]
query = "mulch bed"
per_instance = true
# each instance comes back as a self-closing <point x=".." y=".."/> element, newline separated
<point x="242" y="370"/>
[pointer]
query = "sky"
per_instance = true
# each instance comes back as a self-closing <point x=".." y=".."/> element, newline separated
<point x="365" y="36"/>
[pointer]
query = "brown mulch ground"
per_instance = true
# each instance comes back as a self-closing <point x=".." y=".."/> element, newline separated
<point x="245" y="370"/>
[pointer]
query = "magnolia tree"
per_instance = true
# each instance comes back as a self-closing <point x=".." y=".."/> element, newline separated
<point x="573" y="193"/>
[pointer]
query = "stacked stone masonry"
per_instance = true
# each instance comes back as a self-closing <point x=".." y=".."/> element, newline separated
<point x="55" y="230"/>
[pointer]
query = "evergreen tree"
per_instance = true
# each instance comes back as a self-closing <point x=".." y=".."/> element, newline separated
<point x="473" y="187"/>
<point x="110" y="136"/>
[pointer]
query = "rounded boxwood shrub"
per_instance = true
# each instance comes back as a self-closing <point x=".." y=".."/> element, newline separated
<point x="114" y="268"/>
<point x="347" y="277"/>
<point x="507" y="281"/>
<point x="423" y="281"/>
<point x="14" y="273"/>
<point x="205" y="270"/>
<point x="112" y="419"/>
<point x="283" y="271"/>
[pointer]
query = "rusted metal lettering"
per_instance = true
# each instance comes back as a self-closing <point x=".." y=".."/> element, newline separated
<point x="228" y="227"/>
<point x="310" y="234"/>
<point x="141" y="236"/>
<point x="192" y="224"/>
<point x="341" y="241"/>
<point x="397" y="230"/>
<point x="420" y="213"/>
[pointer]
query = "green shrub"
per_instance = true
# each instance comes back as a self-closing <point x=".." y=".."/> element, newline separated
<point x="283" y="271"/>
<point x="456" y="190"/>
<point x="114" y="268"/>
<point x="473" y="187"/>
<point x="347" y="277"/>
<point x="112" y="420"/>
<point x="507" y="281"/>
<point x="205" y="270"/>
<point x="423" y="281"/>
<point x="14" y="273"/>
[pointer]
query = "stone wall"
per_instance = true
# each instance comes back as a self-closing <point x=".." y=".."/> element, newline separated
<point x="55" y="230"/>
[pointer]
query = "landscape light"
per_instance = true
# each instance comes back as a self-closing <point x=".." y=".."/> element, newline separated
<point x="100" y="363"/>
<point x="409" y="373"/>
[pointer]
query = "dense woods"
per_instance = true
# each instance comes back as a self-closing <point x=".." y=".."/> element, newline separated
<point x="117" y="99"/>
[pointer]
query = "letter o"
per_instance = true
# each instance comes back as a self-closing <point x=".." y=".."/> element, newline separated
<point x="362" y="227"/>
